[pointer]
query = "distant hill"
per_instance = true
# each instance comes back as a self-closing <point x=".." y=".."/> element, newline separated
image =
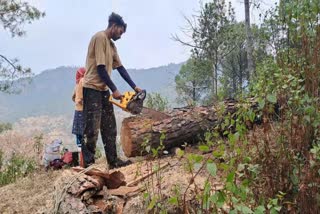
<point x="49" y="92"/>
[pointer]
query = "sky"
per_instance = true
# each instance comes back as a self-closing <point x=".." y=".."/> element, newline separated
<point x="61" y="38"/>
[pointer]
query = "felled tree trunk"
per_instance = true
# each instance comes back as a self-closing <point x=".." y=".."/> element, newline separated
<point x="183" y="125"/>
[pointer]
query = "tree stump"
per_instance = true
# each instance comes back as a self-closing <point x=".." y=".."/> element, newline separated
<point x="88" y="192"/>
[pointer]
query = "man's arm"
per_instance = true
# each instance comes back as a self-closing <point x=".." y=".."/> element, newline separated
<point x="107" y="80"/>
<point x="125" y="75"/>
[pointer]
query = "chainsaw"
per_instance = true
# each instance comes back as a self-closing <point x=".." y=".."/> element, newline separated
<point x="132" y="102"/>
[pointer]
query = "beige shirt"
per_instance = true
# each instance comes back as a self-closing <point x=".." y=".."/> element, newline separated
<point x="101" y="51"/>
<point x="78" y="95"/>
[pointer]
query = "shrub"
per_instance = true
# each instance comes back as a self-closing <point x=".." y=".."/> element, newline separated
<point x="5" y="126"/>
<point x="16" y="167"/>
<point x="157" y="102"/>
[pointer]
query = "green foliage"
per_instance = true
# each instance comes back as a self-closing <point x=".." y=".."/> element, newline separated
<point x="218" y="66"/>
<point x="192" y="83"/>
<point x="1" y="159"/>
<point x="235" y="193"/>
<point x="98" y="153"/>
<point x="157" y="102"/>
<point x="277" y="165"/>
<point x="5" y="127"/>
<point x="211" y="42"/>
<point x="212" y="168"/>
<point x="13" y="16"/>
<point x="154" y="197"/>
<point x="212" y="37"/>
<point x="290" y="81"/>
<point x="234" y="74"/>
<point x="16" y="167"/>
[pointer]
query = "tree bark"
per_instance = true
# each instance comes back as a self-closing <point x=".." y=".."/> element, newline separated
<point x="185" y="125"/>
<point x="90" y="191"/>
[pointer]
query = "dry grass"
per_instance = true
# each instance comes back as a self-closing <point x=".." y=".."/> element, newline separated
<point x="22" y="138"/>
<point x="36" y="193"/>
<point x="30" y="194"/>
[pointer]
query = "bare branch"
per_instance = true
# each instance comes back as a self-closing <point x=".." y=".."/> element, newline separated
<point x="9" y="62"/>
<point x="177" y="39"/>
<point x="192" y="25"/>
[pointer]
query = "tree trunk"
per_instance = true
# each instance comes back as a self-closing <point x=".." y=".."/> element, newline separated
<point x="241" y="72"/>
<point x="216" y="82"/>
<point x="185" y="125"/>
<point x="194" y="98"/>
<point x="213" y="81"/>
<point x="249" y="39"/>
<point x="216" y="74"/>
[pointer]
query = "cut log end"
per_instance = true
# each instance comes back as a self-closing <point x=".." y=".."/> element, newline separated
<point x="126" y="139"/>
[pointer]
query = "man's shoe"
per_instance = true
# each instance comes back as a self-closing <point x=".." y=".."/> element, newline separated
<point x="119" y="163"/>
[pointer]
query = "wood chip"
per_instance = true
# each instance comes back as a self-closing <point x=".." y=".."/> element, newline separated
<point x="124" y="190"/>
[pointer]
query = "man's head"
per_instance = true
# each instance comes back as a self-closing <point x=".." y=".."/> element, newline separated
<point x="116" y="26"/>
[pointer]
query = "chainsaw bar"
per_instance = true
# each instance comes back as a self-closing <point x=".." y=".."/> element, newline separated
<point x="135" y="105"/>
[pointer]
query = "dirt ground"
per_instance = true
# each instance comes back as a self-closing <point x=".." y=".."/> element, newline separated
<point x="35" y="193"/>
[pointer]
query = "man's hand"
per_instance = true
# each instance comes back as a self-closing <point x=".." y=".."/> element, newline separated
<point x="137" y="89"/>
<point x="117" y="95"/>
<point x="74" y="96"/>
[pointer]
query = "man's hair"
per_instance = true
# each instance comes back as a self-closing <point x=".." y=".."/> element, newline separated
<point x="117" y="20"/>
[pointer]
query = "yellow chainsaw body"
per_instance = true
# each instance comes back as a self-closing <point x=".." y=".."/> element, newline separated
<point x="123" y="103"/>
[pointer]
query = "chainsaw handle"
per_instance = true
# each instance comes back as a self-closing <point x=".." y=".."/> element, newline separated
<point x="111" y="100"/>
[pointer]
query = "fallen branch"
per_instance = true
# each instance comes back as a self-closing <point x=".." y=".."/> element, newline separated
<point x="125" y="191"/>
<point x="141" y="178"/>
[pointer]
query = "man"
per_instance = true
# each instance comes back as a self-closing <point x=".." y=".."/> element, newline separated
<point x="102" y="57"/>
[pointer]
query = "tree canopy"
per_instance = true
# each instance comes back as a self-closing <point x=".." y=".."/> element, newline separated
<point x="14" y="14"/>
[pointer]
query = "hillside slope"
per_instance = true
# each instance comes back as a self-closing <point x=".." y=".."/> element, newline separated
<point x="49" y="93"/>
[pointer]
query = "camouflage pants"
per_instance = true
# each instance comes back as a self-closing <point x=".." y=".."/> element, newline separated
<point x="98" y="115"/>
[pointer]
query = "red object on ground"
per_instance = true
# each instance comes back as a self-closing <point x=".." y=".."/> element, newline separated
<point x="67" y="157"/>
